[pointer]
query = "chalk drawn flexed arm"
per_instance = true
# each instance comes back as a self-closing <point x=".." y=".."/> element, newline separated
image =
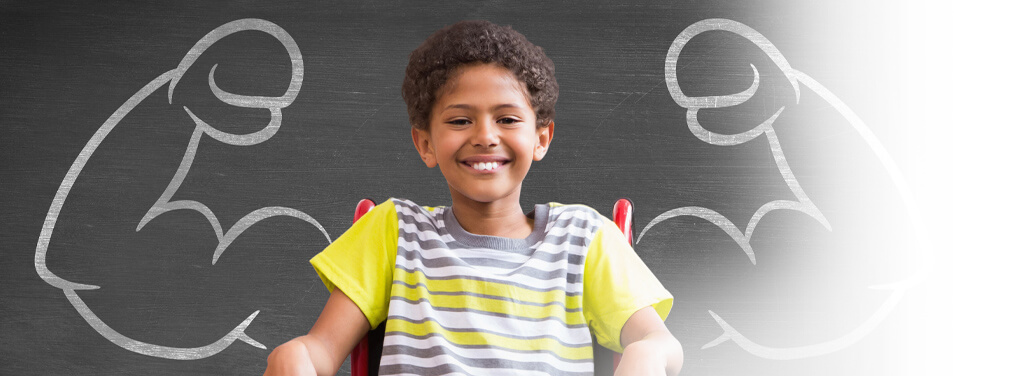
<point x="165" y="202"/>
<point x="803" y="203"/>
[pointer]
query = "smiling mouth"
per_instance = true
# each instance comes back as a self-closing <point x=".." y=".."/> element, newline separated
<point x="485" y="166"/>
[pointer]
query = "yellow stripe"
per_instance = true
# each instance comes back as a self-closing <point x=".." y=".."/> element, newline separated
<point x="477" y="338"/>
<point x="489" y="305"/>
<point x="489" y="288"/>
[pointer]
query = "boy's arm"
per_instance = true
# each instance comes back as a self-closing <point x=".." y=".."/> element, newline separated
<point x="649" y="348"/>
<point x="340" y="327"/>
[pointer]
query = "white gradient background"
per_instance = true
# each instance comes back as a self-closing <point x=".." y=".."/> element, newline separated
<point x="964" y="152"/>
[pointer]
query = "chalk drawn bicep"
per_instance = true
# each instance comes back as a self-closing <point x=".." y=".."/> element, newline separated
<point x="165" y="203"/>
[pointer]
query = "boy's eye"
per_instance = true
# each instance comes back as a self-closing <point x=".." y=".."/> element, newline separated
<point x="508" y="120"/>
<point x="459" y="122"/>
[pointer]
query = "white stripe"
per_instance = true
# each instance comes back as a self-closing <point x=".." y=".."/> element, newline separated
<point x="468" y="271"/>
<point x="571" y="211"/>
<point x="542" y="266"/>
<point x="417" y="214"/>
<point x="576" y="212"/>
<point x="552" y="249"/>
<point x="445" y="360"/>
<point x="586" y="216"/>
<point x="436" y="223"/>
<point x="570" y="289"/>
<point x="410" y="228"/>
<point x="572" y="230"/>
<point x="433" y="253"/>
<point x="490" y="353"/>
<point x="501" y="325"/>
<point x="445" y="253"/>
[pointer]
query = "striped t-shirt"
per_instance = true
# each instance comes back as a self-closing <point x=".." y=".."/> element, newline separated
<point x="460" y="303"/>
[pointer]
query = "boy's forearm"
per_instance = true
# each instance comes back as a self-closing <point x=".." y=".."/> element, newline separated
<point x="656" y="349"/>
<point x="299" y="353"/>
<point x="325" y="362"/>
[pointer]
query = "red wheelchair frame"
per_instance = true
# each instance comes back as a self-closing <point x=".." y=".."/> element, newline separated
<point x="366" y="355"/>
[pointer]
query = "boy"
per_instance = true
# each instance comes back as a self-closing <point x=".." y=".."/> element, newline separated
<point x="480" y="287"/>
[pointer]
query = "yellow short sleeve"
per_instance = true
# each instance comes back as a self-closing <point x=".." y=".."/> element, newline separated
<point x="616" y="284"/>
<point x="361" y="262"/>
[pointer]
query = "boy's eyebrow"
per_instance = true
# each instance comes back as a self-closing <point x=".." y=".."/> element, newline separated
<point x="471" y="107"/>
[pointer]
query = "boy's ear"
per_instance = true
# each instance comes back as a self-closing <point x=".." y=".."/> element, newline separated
<point x="544" y="136"/>
<point x="421" y="138"/>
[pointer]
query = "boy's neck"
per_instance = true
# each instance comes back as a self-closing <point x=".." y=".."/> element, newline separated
<point x="503" y="217"/>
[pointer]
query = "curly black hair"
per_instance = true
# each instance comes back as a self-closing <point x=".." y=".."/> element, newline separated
<point x="467" y="42"/>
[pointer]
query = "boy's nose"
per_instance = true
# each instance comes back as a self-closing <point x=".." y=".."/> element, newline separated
<point x="486" y="134"/>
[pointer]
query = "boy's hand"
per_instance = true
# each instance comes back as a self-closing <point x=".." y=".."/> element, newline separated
<point x="290" y="359"/>
<point x="321" y="352"/>
<point x="649" y="348"/>
<point x="640" y="359"/>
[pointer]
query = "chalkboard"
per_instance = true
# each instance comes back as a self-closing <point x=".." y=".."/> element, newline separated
<point x="170" y="168"/>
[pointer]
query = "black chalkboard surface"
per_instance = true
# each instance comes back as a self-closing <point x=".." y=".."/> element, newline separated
<point x="170" y="168"/>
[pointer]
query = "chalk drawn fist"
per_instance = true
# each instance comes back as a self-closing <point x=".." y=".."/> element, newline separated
<point x="204" y="131"/>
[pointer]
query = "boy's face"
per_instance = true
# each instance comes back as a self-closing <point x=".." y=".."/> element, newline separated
<point x="483" y="134"/>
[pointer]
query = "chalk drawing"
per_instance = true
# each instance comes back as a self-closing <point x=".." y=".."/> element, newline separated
<point x="802" y="204"/>
<point x="742" y="237"/>
<point x="164" y="203"/>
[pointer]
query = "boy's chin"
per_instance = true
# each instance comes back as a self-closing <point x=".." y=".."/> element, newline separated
<point x="486" y="197"/>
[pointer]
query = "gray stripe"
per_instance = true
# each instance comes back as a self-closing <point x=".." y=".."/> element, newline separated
<point x="570" y="220"/>
<point x="443" y="216"/>
<point x="494" y="332"/>
<point x="444" y="369"/>
<point x="573" y="221"/>
<point x="586" y="224"/>
<point x="411" y="210"/>
<point x="431" y="335"/>
<point x="525" y="270"/>
<point x="497" y="314"/>
<point x="486" y="363"/>
<point x="409" y="205"/>
<point x="558" y="242"/>
<point x="559" y="211"/>
<point x="540" y="213"/>
<point x="490" y="280"/>
<point x="507" y="265"/>
<point x="567" y="238"/>
<point x="438" y="243"/>
<point x="559" y="259"/>
<point x="420" y="226"/>
<point x="494" y="297"/>
<point x="407" y="254"/>
<point x="426" y="243"/>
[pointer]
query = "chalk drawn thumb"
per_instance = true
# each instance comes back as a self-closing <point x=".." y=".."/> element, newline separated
<point x="165" y="203"/>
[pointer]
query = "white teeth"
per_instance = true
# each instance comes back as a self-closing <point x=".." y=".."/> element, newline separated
<point x="485" y="166"/>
